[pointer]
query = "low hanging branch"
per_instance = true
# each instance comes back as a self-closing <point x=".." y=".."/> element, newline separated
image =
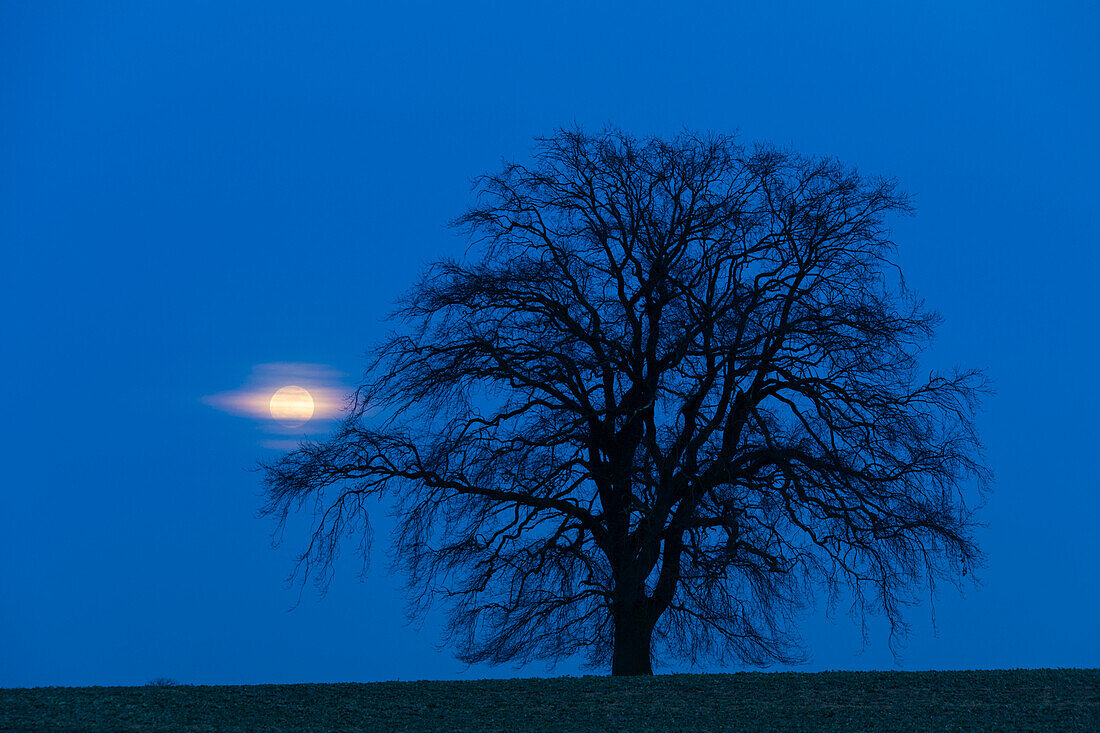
<point x="674" y="393"/>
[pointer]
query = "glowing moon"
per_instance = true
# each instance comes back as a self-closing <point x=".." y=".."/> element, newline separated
<point x="291" y="406"/>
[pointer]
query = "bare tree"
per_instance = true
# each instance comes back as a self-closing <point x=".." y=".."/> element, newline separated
<point x="671" y="394"/>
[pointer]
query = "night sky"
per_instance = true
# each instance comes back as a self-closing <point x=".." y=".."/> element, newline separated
<point x="197" y="199"/>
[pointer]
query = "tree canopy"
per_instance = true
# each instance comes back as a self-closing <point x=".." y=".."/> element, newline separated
<point x="670" y="396"/>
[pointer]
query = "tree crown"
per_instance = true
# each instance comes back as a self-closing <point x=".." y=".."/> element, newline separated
<point x="675" y="388"/>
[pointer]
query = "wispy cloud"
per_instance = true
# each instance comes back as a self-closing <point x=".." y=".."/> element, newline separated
<point x="253" y="398"/>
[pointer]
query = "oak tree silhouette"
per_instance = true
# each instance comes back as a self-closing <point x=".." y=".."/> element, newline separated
<point x="670" y="395"/>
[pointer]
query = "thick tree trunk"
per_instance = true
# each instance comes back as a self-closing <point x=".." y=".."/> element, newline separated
<point x="631" y="655"/>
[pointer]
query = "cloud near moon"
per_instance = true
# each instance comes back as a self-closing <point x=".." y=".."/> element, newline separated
<point x="287" y="398"/>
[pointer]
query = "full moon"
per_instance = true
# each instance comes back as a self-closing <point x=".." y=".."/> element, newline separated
<point x="291" y="406"/>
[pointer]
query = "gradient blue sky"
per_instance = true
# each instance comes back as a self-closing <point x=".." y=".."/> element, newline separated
<point x="189" y="190"/>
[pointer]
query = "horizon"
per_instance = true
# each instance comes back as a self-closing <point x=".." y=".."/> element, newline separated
<point x="170" y="682"/>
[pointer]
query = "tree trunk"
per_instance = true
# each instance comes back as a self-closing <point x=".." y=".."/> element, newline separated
<point x="633" y="632"/>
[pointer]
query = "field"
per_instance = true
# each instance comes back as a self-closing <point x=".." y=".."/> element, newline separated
<point x="1023" y="700"/>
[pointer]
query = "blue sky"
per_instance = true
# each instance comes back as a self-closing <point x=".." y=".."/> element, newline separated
<point x="190" y="191"/>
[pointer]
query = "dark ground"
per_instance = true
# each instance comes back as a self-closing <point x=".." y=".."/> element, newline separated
<point x="1021" y="700"/>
